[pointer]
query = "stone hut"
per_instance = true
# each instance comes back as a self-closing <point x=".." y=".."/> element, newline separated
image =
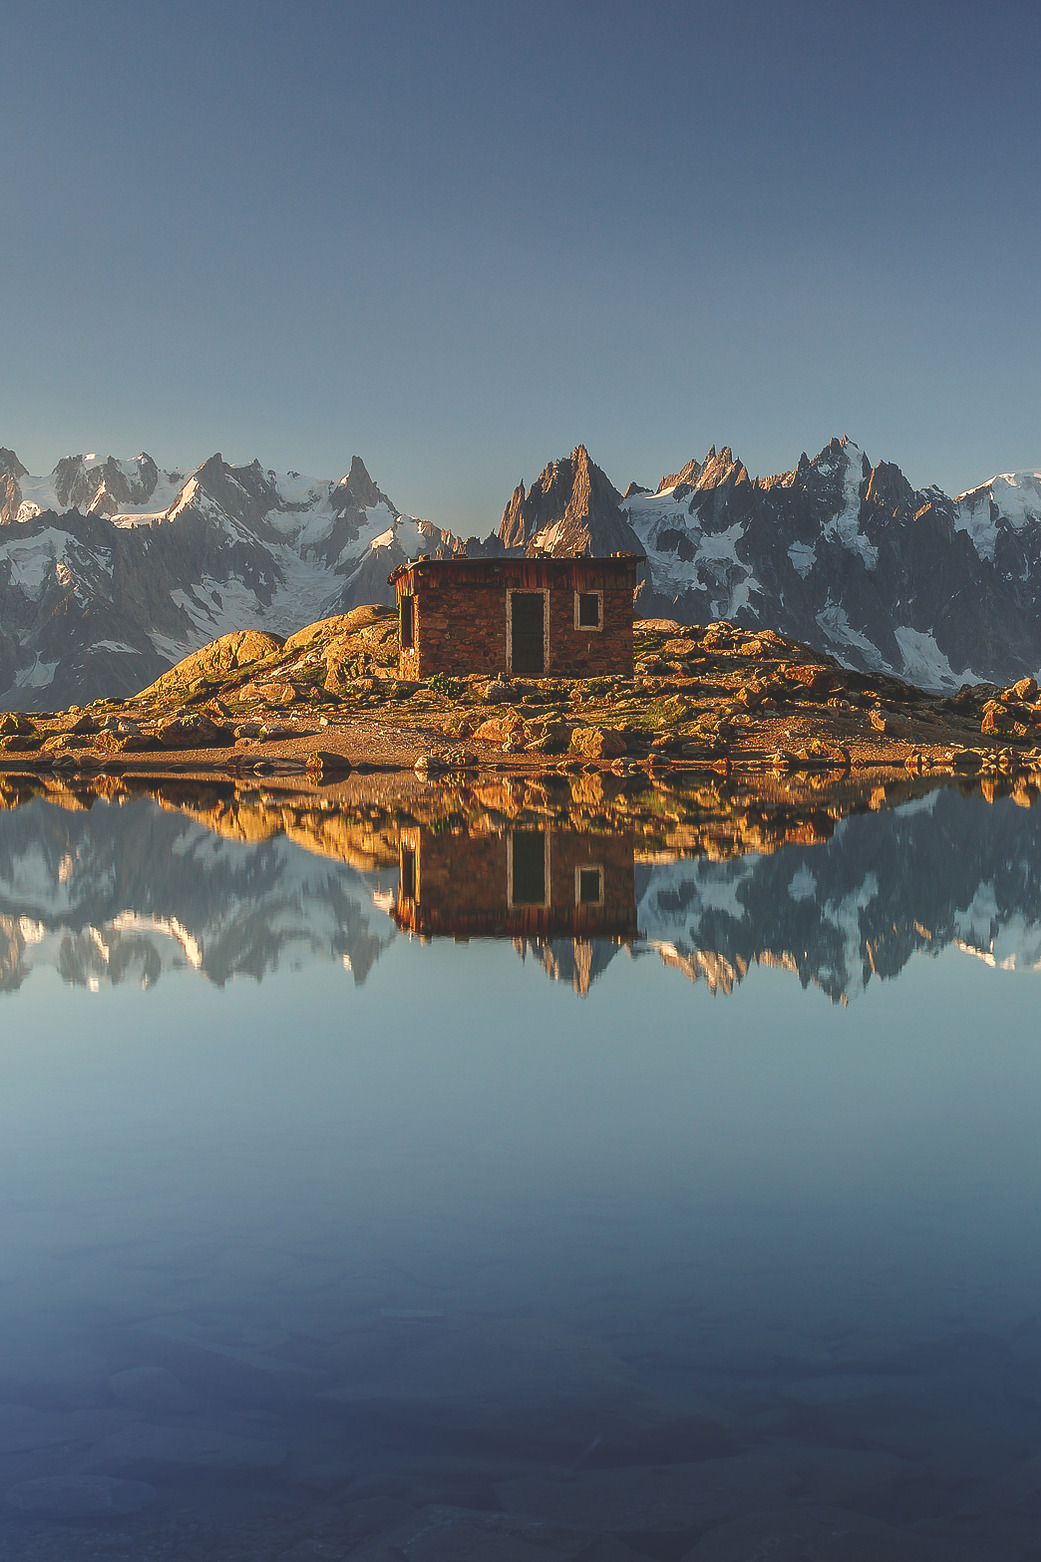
<point x="534" y="617"/>
<point x="524" y="883"/>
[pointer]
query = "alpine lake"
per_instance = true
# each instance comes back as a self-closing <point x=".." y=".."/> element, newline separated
<point x="520" y="1172"/>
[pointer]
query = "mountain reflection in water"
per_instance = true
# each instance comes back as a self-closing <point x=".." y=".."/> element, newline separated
<point x="114" y="890"/>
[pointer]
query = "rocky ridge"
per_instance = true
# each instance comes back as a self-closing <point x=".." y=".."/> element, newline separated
<point x="838" y="552"/>
<point x="112" y="570"/>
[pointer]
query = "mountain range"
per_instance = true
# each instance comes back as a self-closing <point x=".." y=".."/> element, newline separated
<point x="112" y="570"/>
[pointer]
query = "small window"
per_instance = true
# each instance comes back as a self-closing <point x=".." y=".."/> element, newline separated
<point x="406" y="626"/>
<point x="589" y="886"/>
<point x="589" y="609"/>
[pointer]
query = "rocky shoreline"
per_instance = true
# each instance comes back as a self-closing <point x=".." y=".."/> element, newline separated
<point x="716" y="699"/>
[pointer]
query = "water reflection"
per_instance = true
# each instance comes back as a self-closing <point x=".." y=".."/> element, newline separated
<point x="533" y="883"/>
<point x="393" y="1250"/>
<point x="110" y="890"/>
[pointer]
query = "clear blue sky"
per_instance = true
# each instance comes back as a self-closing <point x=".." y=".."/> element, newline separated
<point x="458" y="238"/>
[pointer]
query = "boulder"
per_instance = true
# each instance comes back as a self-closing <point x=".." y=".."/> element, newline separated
<point x="890" y="724"/>
<point x="278" y="693"/>
<point x="751" y="695"/>
<point x="809" y="678"/>
<point x="820" y="755"/>
<point x="325" y="762"/>
<point x="1025" y="690"/>
<point x="14" y="724"/>
<point x="216" y="661"/>
<point x="499" y="729"/>
<point x="325" y="629"/>
<point x="662" y="626"/>
<point x="367" y="615"/>
<point x="192" y="729"/>
<point x="550" y="737"/>
<point x="496" y="691"/>
<point x="125" y="738"/>
<point x="598" y="742"/>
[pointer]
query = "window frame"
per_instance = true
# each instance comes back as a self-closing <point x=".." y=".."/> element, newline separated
<point x="529" y="905"/>
<point x="589" y="629"/>
<point x="588" y="867"/>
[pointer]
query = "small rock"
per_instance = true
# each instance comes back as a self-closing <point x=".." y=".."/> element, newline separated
<point x="429" y="764"/>
<point x="80" y="1497"/>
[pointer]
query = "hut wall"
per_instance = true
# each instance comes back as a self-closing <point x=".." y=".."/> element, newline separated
<point x="460" y="617"/>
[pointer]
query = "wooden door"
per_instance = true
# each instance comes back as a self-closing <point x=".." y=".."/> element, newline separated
<point x="528" y="632"/>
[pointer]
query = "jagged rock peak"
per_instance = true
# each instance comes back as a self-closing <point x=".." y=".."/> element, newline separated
<point x="358" y="487"/>
<point x="572" y="507"/>
<point x="688" y="474"/>
<point x="888" y="487"/>
<point x="9" y="463"/>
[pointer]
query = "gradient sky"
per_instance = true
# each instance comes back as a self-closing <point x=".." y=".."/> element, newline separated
<point x="459" y="238"/>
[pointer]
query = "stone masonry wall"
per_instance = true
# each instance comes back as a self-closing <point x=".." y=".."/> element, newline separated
<point x="460" y="625"/>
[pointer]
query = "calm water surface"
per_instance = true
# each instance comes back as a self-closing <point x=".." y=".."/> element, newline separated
<point x="520" y="1192"/>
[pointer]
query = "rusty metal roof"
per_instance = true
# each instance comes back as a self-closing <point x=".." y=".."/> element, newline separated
<point x="537" y="570"/>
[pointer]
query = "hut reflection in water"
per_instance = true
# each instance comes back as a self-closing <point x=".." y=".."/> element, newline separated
<point x="530" y="882"/>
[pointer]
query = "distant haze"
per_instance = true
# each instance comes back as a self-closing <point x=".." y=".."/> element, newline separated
<point x="463" y="238"/>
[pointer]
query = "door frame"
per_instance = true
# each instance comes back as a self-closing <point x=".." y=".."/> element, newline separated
<point x="528" y="591"/>
<point x="530" y="905"/>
